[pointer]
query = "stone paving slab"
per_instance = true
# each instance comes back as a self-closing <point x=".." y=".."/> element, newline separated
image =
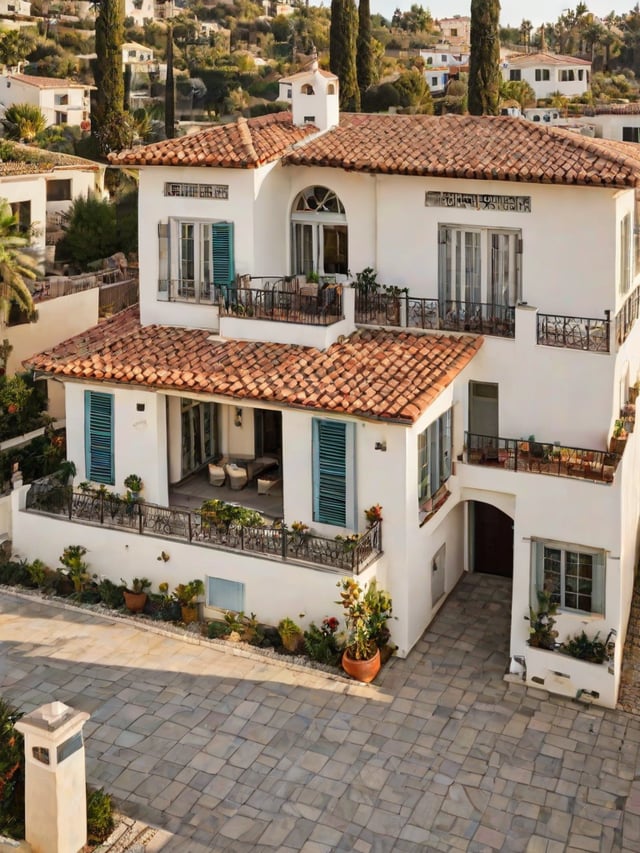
<point x="224" y="752"/>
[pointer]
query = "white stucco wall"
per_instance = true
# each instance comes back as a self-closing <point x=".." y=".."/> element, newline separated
<point x="29" y="188"/>
<point x="272" y="589"/>
<point x="139" y="437"/>
<point x="547" y="88"/>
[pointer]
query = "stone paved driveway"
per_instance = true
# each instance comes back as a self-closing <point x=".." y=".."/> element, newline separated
<point x="232" y="754"/>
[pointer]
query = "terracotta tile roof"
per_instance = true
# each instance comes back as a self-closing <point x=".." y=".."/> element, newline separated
<point x="244" y="144"/>
<point x="377" y="374"/>
<point x="28" y="160"/>
<point x="290" y="79"/>
<point x="480" y="147"/>
<point x="613" y="109"/>
<point x="541" y="58"/>
<point x="49" y="82"/>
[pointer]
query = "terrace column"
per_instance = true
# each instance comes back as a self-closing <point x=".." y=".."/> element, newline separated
<point x="55" y="787"/>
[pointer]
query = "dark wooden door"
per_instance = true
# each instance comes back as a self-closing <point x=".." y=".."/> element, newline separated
<point x="492" y="541"/>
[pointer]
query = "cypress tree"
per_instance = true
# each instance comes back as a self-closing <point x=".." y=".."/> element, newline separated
<point x="109" y="125"/>
<point x="364" y="58"/>
<point x="484" y="63"/>
<point x="342" y="52"/>
<point x="170" y="90"/>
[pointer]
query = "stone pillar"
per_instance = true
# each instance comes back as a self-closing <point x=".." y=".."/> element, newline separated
<point x="55" y="786"/>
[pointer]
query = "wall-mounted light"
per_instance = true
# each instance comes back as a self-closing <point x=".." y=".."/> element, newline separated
<point x="381" y="445"/>
<point x="238" y="417"/>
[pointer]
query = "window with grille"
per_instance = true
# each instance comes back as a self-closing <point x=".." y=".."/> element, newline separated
<point x="575" y="576"/>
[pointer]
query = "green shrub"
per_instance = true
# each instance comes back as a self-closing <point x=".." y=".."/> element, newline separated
<point x="111" y="594"/>
<point x="11" y="773"/>
<point x="15" y="573"/>
<point x="100" y="822"/>
<point x="321" y="643"/>
<point x="215" y="630"/>
<point x="586" y="648"/>
<point x="90" y="232"/>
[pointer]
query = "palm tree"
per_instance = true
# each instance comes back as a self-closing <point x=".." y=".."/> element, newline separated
<point x="23" y="122"/>
<point x="15" y="265"/>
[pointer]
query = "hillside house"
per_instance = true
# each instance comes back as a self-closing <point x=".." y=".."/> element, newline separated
<point x="60" y="101"/>
<point x="548" y="73"/>
<point x="478" y="407"/>
<point x="455" y="30"/>
<point x="40" y="187"/>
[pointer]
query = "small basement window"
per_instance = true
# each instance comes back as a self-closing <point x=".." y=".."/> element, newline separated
<point x="225" y="595"/>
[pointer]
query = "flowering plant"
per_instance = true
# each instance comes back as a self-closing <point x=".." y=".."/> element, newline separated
<point x="373" y="514"/>
<point x="365" y="612"/>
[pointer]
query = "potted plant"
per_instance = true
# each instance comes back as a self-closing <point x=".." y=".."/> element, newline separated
<point x="373" y="514"/>
<point x="186" y="594"/>
<point x="290" y="634"/>
<point x="134" y="484"/>
<point x="582" y="647"/>
<point x="542" y="633"/>
<point x="77" y="570"/>
<point x="135" y="596"/>
<point x="365" y="613"/>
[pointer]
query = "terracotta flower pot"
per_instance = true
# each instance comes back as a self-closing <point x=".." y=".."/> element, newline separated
<point x="189" y="614"/>
<point x="362" y="670"/>
<point x="134" y="601"/>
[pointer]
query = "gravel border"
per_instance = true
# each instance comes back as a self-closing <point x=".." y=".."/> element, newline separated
<point x="300" y="663"/>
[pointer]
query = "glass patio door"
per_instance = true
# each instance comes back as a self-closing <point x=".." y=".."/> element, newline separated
<point x="199" y="435"/>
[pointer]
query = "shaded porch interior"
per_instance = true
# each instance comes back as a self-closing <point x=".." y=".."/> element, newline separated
<point x="194" y="489"/>
<point x="225" y="452"/>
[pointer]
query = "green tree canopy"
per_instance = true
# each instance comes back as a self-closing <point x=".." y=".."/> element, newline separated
<point x="484" y="63"/>
<point x="108" y="108"/>
<point x="23" y="122"/>
<point x="15" y="265"/>
<point x="90" y="231"/>
<point x="364" y="53"/>
<point x="342" y="52"/>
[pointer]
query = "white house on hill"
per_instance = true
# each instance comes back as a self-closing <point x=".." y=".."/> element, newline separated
<point x="548" y="73"/>
<point x="483" y="408"/>
<point x="61" y="101"/>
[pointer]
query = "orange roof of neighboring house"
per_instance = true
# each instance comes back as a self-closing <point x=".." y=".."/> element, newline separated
<point x="377" y="374"/>
<point x="491" y="148"/>
<point x="29" y="160"/>
<point x="49" y="82"/>
<point x="243" y="144"/>
<point x="542" y="57"/>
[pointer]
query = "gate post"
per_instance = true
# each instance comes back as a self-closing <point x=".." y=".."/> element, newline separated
<point x="55" y="785"/>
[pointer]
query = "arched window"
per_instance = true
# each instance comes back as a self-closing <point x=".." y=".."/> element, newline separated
<point x="331" y="89"/>
<point x="319" y="235"/>
<point x="307" y="89"/>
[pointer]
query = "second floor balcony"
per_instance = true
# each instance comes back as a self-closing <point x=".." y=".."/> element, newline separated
<point x="540" y="457"/>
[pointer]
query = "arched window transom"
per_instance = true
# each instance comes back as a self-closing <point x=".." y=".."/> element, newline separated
<point x="318" y="200"/>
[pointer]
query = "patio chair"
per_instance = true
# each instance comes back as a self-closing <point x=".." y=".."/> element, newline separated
<point x="217" y="475"/>
<point x="237" y="475"/>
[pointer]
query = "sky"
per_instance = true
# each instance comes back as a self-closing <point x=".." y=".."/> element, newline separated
<point x="513" y="11"/>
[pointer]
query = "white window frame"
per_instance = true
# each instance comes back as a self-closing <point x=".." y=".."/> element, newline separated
<point x="625" y="266"/>
<point x="598" y="575"/>
<point x="459" y="279"/>
<point x="182" y="288"/>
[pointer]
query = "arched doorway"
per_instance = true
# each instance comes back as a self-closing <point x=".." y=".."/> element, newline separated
<point x="319" y="237"/>
<point x="491" y="540"/>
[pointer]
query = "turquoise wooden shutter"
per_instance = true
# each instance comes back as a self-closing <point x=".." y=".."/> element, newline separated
<point x="330" y="472"/>
<point x="98" y="441"/>
<point x="224" y="269"/>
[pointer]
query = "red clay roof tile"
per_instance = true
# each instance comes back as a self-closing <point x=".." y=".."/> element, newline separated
<point x="474" y="147"/>
<point x="391" y="375"/>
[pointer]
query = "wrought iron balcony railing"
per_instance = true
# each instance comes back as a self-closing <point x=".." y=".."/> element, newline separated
<point x="321" y="309"/>
<point x="583" y="333"/>
<point x="540" y="457"/>
<point x="96" y="508"/>
<point x="451" y="315"/>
